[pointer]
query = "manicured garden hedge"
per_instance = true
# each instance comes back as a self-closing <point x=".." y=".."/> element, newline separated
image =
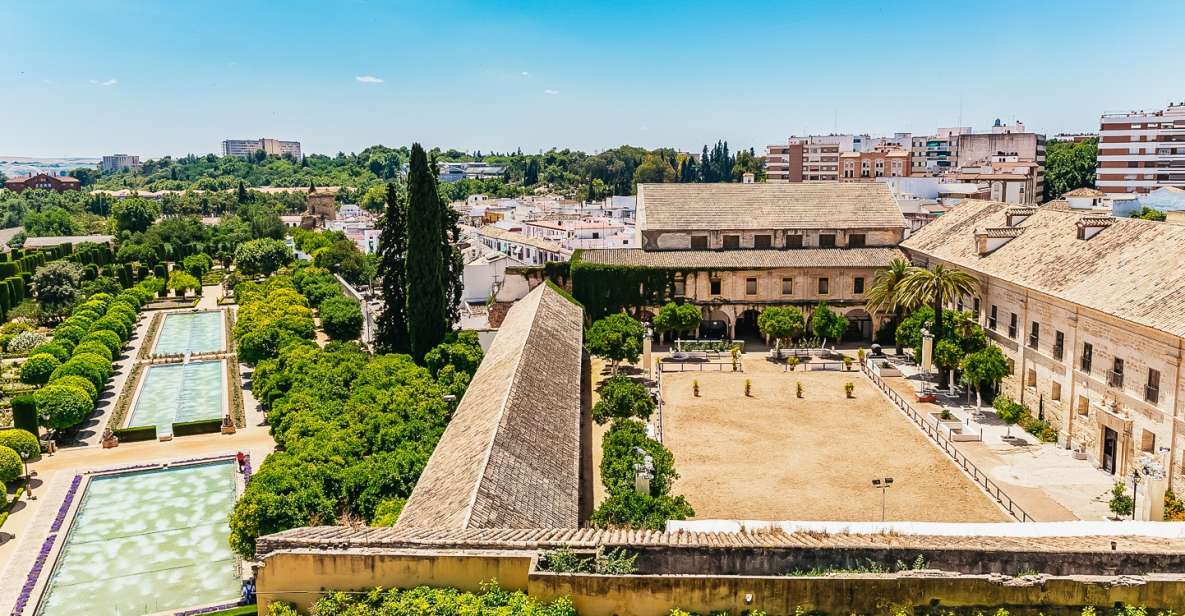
<point x="201" y="426"/>
<point x="24" y="413"/>
<point x="131" y="435"/>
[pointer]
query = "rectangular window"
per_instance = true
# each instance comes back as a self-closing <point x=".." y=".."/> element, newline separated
<point x="827" y="240"/>
<point x="992" y="319"/>
<point x="699" y="242"/>
<point x="858" y="285"/>
<point x="1087" y="356"/>
<point x="1034" y="335"/>
<point x="1012" y="326"/>
<point x="750" y="286"/>
<point x="976" y="306"/>
<point x="680" y="286"/>
<point x="1115" y="379"/>
<point x="856" y="240"/>
<point x="715" y="286"/>
<point x="1056" y="392"/>
<point x="787" y="286"/>
<point x="824" y="286"/>
<point x="762" y="241"/>
<point x="732" y="242"/>
<point x="1059" y="343"/>
<point x="1152" y="389"/>
<point x="793" y="241"/>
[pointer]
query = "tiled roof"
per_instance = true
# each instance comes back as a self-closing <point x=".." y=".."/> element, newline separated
<point x="519" y="238"/>
<point x="337" y="538"/>
<point x="1131" y="270"/>
<point x="1085" y="192"/>
<point x="726" y="206"/>
<point x="510" y="457"/>
<point x="742" y="259"/>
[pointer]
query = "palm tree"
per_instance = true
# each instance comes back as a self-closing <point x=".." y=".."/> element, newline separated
<point x="887" y="292"/>
<point x="936" y="285"/>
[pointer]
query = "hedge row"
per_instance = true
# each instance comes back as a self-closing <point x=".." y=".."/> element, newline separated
<point x="85" y="345"/>
<point x="16" y="273"/>
<point x="131" y="435"/>
<point x="201" y="426"/>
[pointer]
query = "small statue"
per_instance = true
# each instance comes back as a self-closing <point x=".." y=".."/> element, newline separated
<point x="109" y="438"/>
<point x="228" y="424"/>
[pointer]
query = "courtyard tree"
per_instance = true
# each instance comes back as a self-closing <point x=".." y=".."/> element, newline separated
<point x="677" y="318"/>
<point x="134" y="215"/>
<point x="1009" y="412"/>
<point x="934" y="287"/>
<point x="827" y="324"/>
<point x="617" y="338"/>
<point x="782" y="324"/>
<point x="341" y="318"/>
<point x="887" y="293"/>
<point x="262" y="256"/>
<point x="197" y="265"/>
<point x="947" y="355"/>
<point x="180" y="282"/>
<point x="984" y="367"/>
<point x="21" y="441"/>
<point x="62" y="406"/>
<point x="623" y="398"/>
<point x="59" y="286"/>
<point x="392" y="336"/>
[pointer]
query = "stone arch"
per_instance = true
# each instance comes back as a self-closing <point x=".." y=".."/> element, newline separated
<point x="860" y="325"/>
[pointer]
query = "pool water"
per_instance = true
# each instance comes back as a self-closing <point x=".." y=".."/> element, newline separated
<point x="191" y="332"/>
<point x="173" y="393"/>
<point x="148" y="541"/>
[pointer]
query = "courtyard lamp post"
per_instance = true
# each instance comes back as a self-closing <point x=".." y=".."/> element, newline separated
<point x="28" y="478"/>
<point x="1135" y="490"/>
<point x="883" y="485"/>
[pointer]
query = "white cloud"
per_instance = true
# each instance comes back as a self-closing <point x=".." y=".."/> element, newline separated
<point x="105" y="84"/>
<point x="368" y="79"/>
<point x="526" y="74"/>
<point x="551" y="92"/>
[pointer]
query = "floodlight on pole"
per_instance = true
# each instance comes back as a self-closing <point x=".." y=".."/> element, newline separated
<point x="882" y="484"/>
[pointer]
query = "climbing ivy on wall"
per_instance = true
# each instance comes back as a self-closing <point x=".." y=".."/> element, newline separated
<point x="604" y="289"/>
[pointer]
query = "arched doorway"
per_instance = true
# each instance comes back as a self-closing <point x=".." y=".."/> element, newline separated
<point x="715" y="326"/>
<point x="747" y="326"/>
<point x="859" y="326"/>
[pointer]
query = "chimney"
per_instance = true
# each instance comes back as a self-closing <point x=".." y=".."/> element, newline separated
<point x="1090" y="226"/>
<point x="991" y="239"/>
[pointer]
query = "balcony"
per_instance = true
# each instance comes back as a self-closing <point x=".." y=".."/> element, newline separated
<point x="1151" y="394"/>
<point x="1114" y="379"/>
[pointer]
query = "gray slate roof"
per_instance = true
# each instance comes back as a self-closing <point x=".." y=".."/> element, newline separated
<point x="742" y="259"/>
<point x="1131" y="269"/>
<point x="510" y="457"/>
<point x="726" y="206"/>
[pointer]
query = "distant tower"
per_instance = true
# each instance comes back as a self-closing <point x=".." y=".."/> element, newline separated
<point x="322" y="207"/>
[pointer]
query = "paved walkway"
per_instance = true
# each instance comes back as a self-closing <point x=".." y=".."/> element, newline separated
<point x="1042" y="478"/>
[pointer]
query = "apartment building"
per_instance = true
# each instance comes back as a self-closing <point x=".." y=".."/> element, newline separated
<point x="247" y="147"/>
<point x="119" y="162"/>
<point x="883" y="162"/>
<point x="1008" y="159"/>
<point x="809" y="159"/>
<point x="1088" y="310"/>
<point x="1141" y="151"/>
<point x="933" y="155"/>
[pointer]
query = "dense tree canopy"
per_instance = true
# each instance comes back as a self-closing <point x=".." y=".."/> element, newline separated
<point x="1069" y="165"/>
<point x="617" y="338"/>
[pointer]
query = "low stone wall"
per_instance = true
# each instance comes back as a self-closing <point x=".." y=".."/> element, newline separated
<point x="299" y="576"/>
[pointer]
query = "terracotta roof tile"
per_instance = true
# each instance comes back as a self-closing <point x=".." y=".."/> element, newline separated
<point x="742" y="259"/>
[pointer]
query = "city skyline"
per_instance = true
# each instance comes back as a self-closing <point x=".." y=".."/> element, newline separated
<point x="535" y="76"/>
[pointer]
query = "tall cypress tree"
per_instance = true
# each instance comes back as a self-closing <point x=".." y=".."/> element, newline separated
<point x="427" y="295"/>
<point x="392" y="335"/>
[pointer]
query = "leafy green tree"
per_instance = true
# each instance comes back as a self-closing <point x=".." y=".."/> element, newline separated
<point x="197" y="265"/>
<point x="677" y="318"/>
<point x="387" y="512"/>
<point x="1008" y="411"/>
<point x="262" y="256"/>
<point x="344" y="258"/>
<point x="623" y="398"/>
<point x="62" y="406"/>
<point x="182" y="281"/>
<point x="427" y="276"/>
<point x="1121" y="504"/>
<point x="1147" y="213"/>
<point x="58" y="286"/>
<point x="531" y="176"/>
<point x="36" y="369"/>
<point x="134" y="214"/>
<point x="984" y="367"/>
<point x="641" y="511"/>
<point x="781" y="323"/>
<point x="392" y="334"/>
<point x="617" y="338"/>
<point x="654" y="169"/>
<point x="21" y="441"/>
<point x="1069" y="165"/>
<point x="461" y="350"/>
<point x="51" y="221"/>
<point x="827" y="324"/>
<point x="341" y="318"/>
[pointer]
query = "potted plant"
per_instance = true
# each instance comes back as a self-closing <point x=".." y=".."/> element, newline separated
<point x="848" y="388"/>
<point x="847" y="362"/>
<point x="695" y="388"/>
<point x="791" y="363"/>
<point x="748" y="388"/>
<point x="798" y="389"/>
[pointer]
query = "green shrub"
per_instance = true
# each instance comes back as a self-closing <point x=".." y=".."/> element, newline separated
<point x="112" y="323"/>
<point x="10" y="464"/>
<point x="21" y="441"/>
<point x="25" y="342"/>
<point x="37" y="369"/>
<point x="138" y="433"/>
<point x="62" y="406"/>
<point x="95" y="347"/>
<point x="387" y="512"/>
<point x="201" y="426"/>
<point x="88" y="366"/>
<point x="86" y="313"/>
<point x="341" y="318"/>
<point x="1121" y="504"/>
<point x="107" y="338"/>
<point x="78" y="381"/>
<point x="24" y="413"/>
<point x="623" y="398"/>
<point x="54" y="348"/>
<point x="72" y="333"/>
<point x="425" y="601"/>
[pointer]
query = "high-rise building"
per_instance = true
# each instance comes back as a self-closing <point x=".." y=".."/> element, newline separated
<point x="1141" y="151"/>
<point x="813" y="158"/>
<point x="118" y="162"/>
<point x="248" y="147"/>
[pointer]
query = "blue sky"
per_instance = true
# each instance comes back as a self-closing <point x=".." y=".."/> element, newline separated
<point x="178" y="76"/>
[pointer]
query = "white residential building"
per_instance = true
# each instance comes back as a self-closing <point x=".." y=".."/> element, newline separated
<point x="1140" y="151"/>
<point x="247" y="147"/>
<point x="118" y="162"/>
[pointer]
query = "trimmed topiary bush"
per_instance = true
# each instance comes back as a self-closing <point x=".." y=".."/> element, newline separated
<point x="88" y="366"/>
<point x="72" y="333"/>
<point x="20" y="441"/>
<point x="62" y="406"/>
<point x="95" y="347"/>
<point x="37" y="369"/>
<point x="112" y="323"/>
<point x="106" y="338"/>
<point x="77" y="381"/>
<point x="24" y="413"/>
<point x="54" y="348"/>
<point x="10" y="464"/>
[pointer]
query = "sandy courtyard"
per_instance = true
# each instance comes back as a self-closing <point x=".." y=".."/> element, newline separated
<point x="776" y="457"/>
